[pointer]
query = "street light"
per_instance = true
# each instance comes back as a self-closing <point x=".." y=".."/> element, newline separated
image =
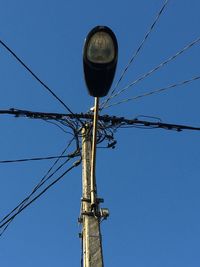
<point x="99" y="60"/>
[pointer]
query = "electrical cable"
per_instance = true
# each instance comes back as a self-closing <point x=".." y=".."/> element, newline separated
<point x="137" y="51"/>
<point x="166" y="126"/>
<point x="33" y="159"/>
<point x="142" y="77"/>
<point x="42" y="181"/>
<point x="23" y="202"/>
<point x="140" y="127"/>
<point x="36" y="77"/>
<point x="57" y="125"/>
<point x="155" y="91"/>
<point x="111" y="123"/>
<point x="75" y="164"/>
<point x="149" y="117"/>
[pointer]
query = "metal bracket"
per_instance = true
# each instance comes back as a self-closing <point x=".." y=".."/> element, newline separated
<point x="88" y="213"/>
<point x="83" y="199"/>
<point x="88" y="200"/>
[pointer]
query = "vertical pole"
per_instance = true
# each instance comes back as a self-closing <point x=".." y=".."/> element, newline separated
<point x="93" y="159"/>
<point x="91" y="235"/>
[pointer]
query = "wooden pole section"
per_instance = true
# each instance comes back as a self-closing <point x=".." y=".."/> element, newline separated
<point x="91" y="235"/>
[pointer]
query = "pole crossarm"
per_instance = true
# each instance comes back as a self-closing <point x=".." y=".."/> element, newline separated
<point x="111" y="120"/>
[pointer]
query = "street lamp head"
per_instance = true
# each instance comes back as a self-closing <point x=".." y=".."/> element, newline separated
<point x="100" y="48"/>
<point x="99" y="60"/>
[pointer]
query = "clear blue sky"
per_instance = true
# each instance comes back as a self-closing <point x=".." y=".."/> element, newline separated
<point x="150" y="182"/>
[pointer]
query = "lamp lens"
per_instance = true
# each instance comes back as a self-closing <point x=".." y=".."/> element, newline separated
<point x="101" y="48"/>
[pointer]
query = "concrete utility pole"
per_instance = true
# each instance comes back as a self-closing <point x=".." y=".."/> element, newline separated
<point x="99" y="63"/>
<point x="90" y="217"/>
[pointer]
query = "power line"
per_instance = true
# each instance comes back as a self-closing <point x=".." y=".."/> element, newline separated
<point x="75" y="164"/>
<point x="137" y="51"/>
<point x="45" y="178"/>
<point x="142" y="77"/>
<point x="23" y="202"/>
<point x="42" y="181"/>
<point x="35" y="76"/>
<point x="155" y="91"/>
<point x="34" y="159"/>
<point x="166" y="126"/>
<point x="58" y="126"/>
<point x="109" y="121"/>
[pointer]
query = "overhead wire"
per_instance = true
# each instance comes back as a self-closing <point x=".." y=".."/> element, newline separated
<point x="33" y="159"/>
<point x="162" y="64"/>
<point x="139" y="127"/>
<point x="57" y="125"/>
<point x="45" y="178"/>
<point x="149" y="117"/>
<point x="24" y="201"/>
<point x="36" y="77"/>
<point x="155" y="91"/>
<point x="102" y="132"/>
<point x="137" y="51"/>
<point x="109" y="123"/>
<point x="4" y="224"/>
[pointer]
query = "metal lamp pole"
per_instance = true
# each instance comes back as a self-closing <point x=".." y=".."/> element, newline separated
<point x="93" y="159"/>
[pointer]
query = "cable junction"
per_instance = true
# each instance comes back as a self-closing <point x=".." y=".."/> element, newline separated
<point x="107" y="126"/>
<point x="105" y="121"/>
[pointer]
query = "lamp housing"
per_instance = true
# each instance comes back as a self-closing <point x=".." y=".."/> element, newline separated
<point x="100" y="56"/>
